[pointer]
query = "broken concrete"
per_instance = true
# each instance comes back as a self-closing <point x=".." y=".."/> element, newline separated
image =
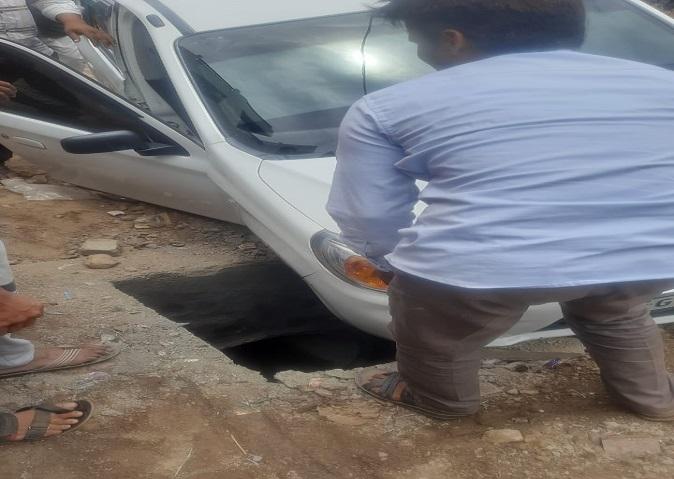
<point x="100" y="246"/>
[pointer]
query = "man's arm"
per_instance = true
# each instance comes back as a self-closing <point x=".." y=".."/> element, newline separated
<point x="69" y="14"/>
<point x="371" y="200"/>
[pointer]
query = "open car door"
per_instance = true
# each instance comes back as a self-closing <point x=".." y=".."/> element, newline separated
<point x="81" y="133"/>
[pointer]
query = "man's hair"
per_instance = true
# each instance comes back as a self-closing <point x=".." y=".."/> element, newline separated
<point x="496" y="26"/>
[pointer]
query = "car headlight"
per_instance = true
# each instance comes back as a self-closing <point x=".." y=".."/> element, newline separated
<point x="344" y="263"/>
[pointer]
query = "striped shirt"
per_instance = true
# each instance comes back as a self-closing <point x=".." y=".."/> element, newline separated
<point x="17" y="23"/>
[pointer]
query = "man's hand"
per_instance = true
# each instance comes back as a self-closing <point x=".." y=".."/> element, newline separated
<point x="386" y="276"/>
<point x="75" y="27"/>
<point x="17" y="311"/>
<point x="7" y="92"/>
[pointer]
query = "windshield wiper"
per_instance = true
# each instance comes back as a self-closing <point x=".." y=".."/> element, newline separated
<point x="237" y="108"/>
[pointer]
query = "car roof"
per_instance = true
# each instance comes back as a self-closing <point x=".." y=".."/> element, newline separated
<point x="203" y="15"/>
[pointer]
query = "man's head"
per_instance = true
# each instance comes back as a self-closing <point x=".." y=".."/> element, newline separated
<point x="451" y="32"/>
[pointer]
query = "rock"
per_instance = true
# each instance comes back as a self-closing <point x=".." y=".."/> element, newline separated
<point x="488" y="389"/>
<point x="513" y="392"/>
<point x="503" y="436"/>
<point x="382" y="456"/>
<point x="101" y="261"/>
<point x="247" y="247"/>
<point x="115" y="214"/>
<point x="154" y="221"/>
<point x="178" y="244"/>
<point x="100" y="246"/>
<point x="39" y="180"/>
<point x="622" y="446"/>
<point x="518" y="367"/>
<point x="520" y="420"/>
<point x="530" y="392"/>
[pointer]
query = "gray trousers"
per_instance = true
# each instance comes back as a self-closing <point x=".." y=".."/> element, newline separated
<point x="440" y="330"/>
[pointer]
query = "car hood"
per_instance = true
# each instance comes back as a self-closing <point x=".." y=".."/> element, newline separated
<point x="305" y="184"/>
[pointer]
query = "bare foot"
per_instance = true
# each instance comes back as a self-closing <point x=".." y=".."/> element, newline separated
<point x="46" y="357"/>
<point x="58" y="423"/>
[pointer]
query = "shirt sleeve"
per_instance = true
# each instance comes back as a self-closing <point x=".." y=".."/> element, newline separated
<point x="371" y="200"/>
<point x="53" y="8"/>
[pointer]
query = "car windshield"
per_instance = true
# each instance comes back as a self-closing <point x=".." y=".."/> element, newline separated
<point x="280" y="91"/>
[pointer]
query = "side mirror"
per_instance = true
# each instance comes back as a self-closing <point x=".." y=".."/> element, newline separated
<point x="111" y="141"/>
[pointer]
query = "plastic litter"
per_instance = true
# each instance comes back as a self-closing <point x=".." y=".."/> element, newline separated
<point x="553" y="364"/>
<point x="37" y="192"/>
<point x="91" y="380"/>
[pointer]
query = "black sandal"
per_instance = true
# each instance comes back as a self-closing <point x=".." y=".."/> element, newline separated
<point x="392" y="388"/>
<point x="38" y="428"/>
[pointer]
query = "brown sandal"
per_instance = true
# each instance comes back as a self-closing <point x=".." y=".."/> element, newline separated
<point x="65" y="361"/>
<point x="392" y="388"/>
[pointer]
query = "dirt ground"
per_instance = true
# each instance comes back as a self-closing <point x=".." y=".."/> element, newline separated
<point x="170" y="406"/>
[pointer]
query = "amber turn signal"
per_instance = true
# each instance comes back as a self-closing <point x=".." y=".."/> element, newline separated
<point x="360" y="270"/>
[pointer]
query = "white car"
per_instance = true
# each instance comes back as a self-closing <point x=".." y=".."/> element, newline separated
<point x="230" y="109"/>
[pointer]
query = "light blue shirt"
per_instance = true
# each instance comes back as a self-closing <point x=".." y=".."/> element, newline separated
<point x="544" y="169"/>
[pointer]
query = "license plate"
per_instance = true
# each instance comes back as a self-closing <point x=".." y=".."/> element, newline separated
<point x="662" y="305"/>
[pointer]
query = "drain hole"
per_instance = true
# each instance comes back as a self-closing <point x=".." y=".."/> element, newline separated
<point x="262" y="316"/>
<point x="345" y="349"/>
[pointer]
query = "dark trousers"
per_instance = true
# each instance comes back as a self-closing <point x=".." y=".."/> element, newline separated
<point x="441" y="329"/>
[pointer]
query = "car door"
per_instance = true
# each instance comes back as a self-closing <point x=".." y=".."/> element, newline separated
<point x="55" y="103"/>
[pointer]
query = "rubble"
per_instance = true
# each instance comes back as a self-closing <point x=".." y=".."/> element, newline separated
<point x="100" y="246"/>
<point x="101" y="261"/>
<point x="503" y="436"/>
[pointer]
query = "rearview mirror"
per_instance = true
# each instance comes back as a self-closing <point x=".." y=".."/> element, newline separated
<point x="122" y="140"/>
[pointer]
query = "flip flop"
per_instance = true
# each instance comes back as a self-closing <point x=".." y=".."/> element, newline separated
<point x="38" y="428"/>
<point x="64" y="361"/>
<point x="390" y="387"/>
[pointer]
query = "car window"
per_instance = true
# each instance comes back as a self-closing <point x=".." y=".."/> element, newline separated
<point x="47" y="93"/>
<point x="620" y="29"/>
<point x="144" y="79"/>
<point x="281" y="90"/>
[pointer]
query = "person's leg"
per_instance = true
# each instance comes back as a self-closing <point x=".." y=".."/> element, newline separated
<point x="18" y="356"/>
<point x="440" y="331"/>
<point x="13" y="352"/>
<point x="615" y="325"/>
